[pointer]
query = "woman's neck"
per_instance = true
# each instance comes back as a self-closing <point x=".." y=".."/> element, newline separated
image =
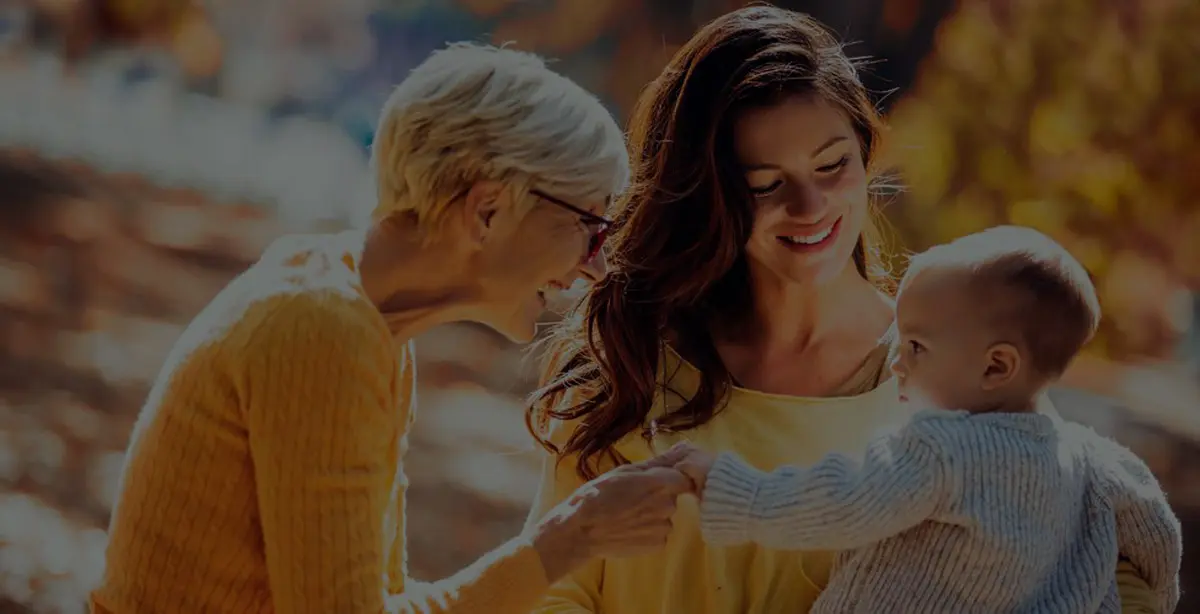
<point x="790" y="317"/>
<point x="415" y="283"/>
<point x="806" y="341"/>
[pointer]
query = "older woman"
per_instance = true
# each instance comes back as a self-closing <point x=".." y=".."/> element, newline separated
<point x="745" y="312"/>
<point x="264" y="472"/>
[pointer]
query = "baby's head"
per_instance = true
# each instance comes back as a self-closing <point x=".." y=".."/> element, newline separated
<point x="986" y="322"/>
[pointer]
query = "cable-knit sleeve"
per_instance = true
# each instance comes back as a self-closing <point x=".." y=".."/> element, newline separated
<point x="836" y="504"/>
<point x="1148" y="532"/>
<point x="322" y="425"/>
<point x="317" y="390"/>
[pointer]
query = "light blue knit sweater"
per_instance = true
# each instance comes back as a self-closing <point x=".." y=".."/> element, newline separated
<point x="962" y="514"/>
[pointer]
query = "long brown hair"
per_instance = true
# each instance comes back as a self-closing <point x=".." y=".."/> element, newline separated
<point x="677" y="252"/>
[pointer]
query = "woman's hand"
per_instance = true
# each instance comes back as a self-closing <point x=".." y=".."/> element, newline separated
<point x="690" y="461"/>
<point x="624" y="512"/>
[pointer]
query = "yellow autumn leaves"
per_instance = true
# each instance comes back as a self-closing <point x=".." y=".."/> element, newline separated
<point x="1077" y="117"/>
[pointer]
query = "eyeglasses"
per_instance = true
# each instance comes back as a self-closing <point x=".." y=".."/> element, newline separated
<point x="599" y="225"/>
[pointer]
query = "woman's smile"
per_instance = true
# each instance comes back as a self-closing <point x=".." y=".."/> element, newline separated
<point x="813" y="241"/>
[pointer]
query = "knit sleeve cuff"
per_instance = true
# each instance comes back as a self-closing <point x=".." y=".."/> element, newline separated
<point x="727" y="503"/>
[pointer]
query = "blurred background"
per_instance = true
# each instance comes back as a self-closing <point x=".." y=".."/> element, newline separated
<point x="150" y="149"/>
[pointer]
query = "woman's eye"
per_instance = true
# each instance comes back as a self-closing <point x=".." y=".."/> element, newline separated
<point x="835" y="167"/>
<point x="765" y="190"/>
<point x="916" y="347"/>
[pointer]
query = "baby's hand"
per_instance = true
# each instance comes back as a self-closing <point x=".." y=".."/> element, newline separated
<point x="690" y="461"/>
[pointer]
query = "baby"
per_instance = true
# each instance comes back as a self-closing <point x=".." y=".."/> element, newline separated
<point x="980" y="504"/>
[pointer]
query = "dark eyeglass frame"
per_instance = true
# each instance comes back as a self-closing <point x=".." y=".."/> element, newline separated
<point x="599" y="224"/>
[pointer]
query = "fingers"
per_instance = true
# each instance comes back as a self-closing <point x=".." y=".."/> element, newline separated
<point x="670" y="482"/>
<point x="653" y="534"/>
<point x="635" y="515"/>
<point x="694" y="474"/>
<point x="646" y="540"/>
<point x="669" y="458"/>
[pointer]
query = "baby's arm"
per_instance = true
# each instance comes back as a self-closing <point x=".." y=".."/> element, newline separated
<point x="836" y="504"/>
<point x="1148" y="532"/>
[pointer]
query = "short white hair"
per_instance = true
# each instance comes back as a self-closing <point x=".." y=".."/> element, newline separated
<point x="471" y="113"/>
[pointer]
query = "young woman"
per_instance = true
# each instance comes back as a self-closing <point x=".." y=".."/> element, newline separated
<point x="745" y="310"/>
<point x="264" y="474"/>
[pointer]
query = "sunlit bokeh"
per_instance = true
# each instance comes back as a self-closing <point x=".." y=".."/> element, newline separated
<point x="151" y="149"/>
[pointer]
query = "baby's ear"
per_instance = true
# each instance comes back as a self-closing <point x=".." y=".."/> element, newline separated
<point x="1003" y="364"/>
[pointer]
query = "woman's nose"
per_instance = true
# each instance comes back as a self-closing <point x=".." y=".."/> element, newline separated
<point x="808" y="203"/>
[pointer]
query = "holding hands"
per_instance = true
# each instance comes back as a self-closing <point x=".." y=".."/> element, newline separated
<point x="691" y="462"/>
<point x="625" y="512"/>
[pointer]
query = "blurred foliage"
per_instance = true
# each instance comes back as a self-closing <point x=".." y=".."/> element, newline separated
<point x="1080" y="118"/>
<point x="181" y="27"/>
<point x="635" y="39"/>
<point x="642" y="36"/>
<point x="139" y="18"/>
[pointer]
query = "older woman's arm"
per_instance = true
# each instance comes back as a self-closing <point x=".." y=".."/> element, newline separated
<point x="321" y="428"/>
<point x="579" y="592"/>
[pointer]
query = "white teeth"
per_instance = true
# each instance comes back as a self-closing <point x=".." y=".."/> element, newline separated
<point x="810" y="239"/>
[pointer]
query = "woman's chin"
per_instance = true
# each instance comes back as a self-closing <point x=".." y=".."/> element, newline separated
<point x="524" y="326"/>
<point x="516" y="322"/>
<point x="807" y="269"/>
<point x="816" y="272"/>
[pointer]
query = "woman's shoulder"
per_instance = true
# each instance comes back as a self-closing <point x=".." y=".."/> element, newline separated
<point x="327" y="313"/>
<point x="304" y="289"/>
<point x="303" y="267"/>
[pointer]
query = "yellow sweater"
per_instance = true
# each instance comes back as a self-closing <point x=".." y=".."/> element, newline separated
<point x="264" y="473"/>
<point x="692" y="577"/>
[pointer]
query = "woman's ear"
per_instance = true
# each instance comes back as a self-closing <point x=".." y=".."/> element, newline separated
<point x="1003" y="364"/>
<point x="479" y="208"/>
